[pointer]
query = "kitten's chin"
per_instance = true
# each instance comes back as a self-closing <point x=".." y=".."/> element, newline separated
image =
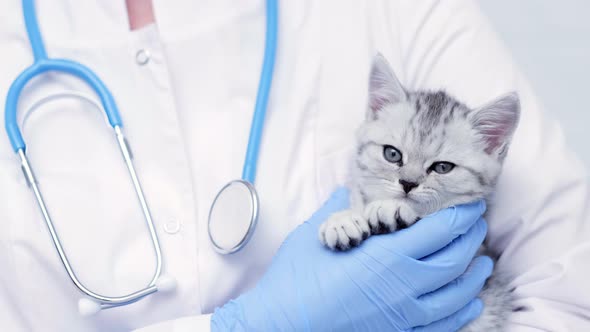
<point x="419" y="205"/>
<point x="408" y="198"/>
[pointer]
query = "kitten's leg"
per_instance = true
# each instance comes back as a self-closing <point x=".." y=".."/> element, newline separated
<point x="386" y="216"/>
<point x="406" y="216"/>
<point x="498" y="300"/>
<point x="498" y="306"/>
<point x="346" y="229"/>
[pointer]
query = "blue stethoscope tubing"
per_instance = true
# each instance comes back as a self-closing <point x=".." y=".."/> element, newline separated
<point x="42" y="63"/>
<point x="266" y="75"/>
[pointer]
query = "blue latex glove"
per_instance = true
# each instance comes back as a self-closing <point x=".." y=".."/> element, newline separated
<point x="418" y="279"/>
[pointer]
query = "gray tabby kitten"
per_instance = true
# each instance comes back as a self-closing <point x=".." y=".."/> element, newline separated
<point x="420" y="152"/>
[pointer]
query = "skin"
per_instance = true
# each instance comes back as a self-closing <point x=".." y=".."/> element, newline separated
<point x="140" y="13"/>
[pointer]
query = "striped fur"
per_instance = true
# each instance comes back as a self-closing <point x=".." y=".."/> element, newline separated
<point x="426" y="127"/>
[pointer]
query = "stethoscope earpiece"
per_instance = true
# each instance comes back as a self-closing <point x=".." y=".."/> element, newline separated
<point x="165" y="284"/>
<point x="88" y="307"/>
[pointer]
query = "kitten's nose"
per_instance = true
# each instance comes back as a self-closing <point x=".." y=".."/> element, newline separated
<point x="407" y="185"/>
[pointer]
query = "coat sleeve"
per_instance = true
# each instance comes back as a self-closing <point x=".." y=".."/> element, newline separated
<point x="200" y="323"/>
<point x="539" y="220"/>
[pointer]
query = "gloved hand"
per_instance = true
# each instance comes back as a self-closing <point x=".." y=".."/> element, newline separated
<point x="423" y="278"/>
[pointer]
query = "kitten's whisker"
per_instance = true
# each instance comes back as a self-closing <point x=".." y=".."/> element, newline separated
<point x="377" y="178"/>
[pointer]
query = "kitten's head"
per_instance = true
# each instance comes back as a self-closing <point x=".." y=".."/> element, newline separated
<point x="427" y="148"/>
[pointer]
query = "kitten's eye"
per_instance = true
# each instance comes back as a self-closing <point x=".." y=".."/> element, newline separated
<point x="392" y="154"/>
<point x="442" y="167"/>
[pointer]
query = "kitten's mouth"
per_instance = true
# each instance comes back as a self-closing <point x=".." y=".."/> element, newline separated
<point x="408" y="198"/>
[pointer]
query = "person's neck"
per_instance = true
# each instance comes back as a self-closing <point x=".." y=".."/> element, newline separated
<point x="140" y="13"/>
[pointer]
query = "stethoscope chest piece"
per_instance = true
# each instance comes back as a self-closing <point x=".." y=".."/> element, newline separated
<point x="233" y="216"/>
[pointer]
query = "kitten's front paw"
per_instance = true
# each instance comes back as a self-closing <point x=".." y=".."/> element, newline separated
<point x="386" y="216"/>
<point x="381" y="216"/>
<point x="406" y="216"/>
<point x="344" y="230"/>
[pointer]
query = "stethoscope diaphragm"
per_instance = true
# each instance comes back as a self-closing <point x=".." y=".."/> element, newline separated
<point x="233" y="216"/>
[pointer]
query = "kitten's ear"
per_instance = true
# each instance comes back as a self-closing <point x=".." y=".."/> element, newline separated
<point x="496" y="122"/>
<point x="384" y="87"/>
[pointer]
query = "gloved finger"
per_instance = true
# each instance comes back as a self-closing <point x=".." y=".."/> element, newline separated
<point x="456" y="294"/>
<point x="449" y="263"/>
<point x="435" y="231"/>
<point x="338" y="201"/>
<point x="455" y="321"/>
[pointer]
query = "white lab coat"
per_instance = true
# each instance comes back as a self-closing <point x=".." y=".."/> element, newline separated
<point x="187" y="114"/>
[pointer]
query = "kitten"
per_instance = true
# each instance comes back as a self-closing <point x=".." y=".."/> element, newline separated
<point x="420" y="152"/>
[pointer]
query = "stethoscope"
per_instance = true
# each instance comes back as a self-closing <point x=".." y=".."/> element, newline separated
<point x="234" y="211"/>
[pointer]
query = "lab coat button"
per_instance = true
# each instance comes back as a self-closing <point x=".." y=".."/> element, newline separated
<point x="142" y="57"/>
<point x="172" y="227"/>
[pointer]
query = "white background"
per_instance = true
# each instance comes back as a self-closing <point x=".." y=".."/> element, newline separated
<point x="550" y="40"/>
